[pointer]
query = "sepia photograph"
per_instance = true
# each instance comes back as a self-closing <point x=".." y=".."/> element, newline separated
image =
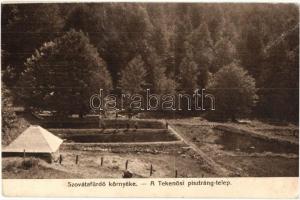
<point x="149" y="90"/>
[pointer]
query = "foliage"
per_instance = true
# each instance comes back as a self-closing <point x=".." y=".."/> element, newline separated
<point x="280" y="83"/>
<point x="29" y="163"/>
<point x="234" y="91"/>
<point x="179" y="44"/>
<point x="63" y="74"/>
<point x="25" y="28"/>
<point x="133" y="76"/>
<point x="118" y="40"/>
<point x="8" y="114"/>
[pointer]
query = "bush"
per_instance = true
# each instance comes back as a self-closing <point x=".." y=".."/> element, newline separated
<point x="26" y="164"/>
<point x="10" y="166"/>
<point x="30" y="163"/>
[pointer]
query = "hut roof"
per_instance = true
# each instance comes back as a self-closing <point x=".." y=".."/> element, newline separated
<point x="35" y="139"/>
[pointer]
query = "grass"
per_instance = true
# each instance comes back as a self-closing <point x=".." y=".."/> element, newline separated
<point x="89" y="166"/>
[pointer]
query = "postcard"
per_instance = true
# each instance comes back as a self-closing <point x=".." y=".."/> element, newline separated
<point x="150" y="99"/>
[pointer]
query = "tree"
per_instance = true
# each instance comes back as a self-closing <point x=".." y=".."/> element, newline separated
<point x="225" y="53"/>
<point x="8" y="115"/>
<point x="203" y="55"/>
<point x="63" y="74"/>
<point x="162" y="83"/>
<point x="132" y="80"/>
<point x="24" y="28"/>
<point x="157" y="79"/>
<point x="178" y="43"/>
<point x="188" y="72"/>
<point x="133" y="76"/>
<point x="251" y="50"/>
<point x="224" y="45"/>
<point x="116" y="30"/>
<point x="234" y="91"/>
<point x="279" y="81"/>
<point x="182" y="29"/>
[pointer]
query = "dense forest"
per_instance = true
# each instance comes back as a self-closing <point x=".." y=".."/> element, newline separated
<point x="66" y="48"/>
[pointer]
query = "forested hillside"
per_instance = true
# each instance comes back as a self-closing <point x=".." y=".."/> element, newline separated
<point x="167" y="47"/>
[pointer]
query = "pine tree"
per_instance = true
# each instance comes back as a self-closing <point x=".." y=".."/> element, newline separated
<point x="189" y="72"/>
<point x="200" y="40"/>
<point x="24" y="28"/>
<point x="132" y="79"/>
<point x="116" y="30"/>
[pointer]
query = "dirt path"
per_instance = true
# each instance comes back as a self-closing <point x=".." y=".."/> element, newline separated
<point x="218" y="169"/>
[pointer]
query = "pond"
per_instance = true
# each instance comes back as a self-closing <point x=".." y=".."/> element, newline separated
<point x="120" y="136"/>
<point x="246" y="143"/>
<point x="106" y="123"/>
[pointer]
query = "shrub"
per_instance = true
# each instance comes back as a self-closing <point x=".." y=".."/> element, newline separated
<point x="11" y="166"/>
<point x="30" y="163"/>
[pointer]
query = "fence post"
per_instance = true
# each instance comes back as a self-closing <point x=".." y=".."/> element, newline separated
<point x="101" y="161"/>
<point x="151" y="170"/>
<point x="76" y="159"/>
<point x="176" y="173"/>
<point x="60" y="159"/>
<point x="126" y="164"/>
<point x="24" y="154"/>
